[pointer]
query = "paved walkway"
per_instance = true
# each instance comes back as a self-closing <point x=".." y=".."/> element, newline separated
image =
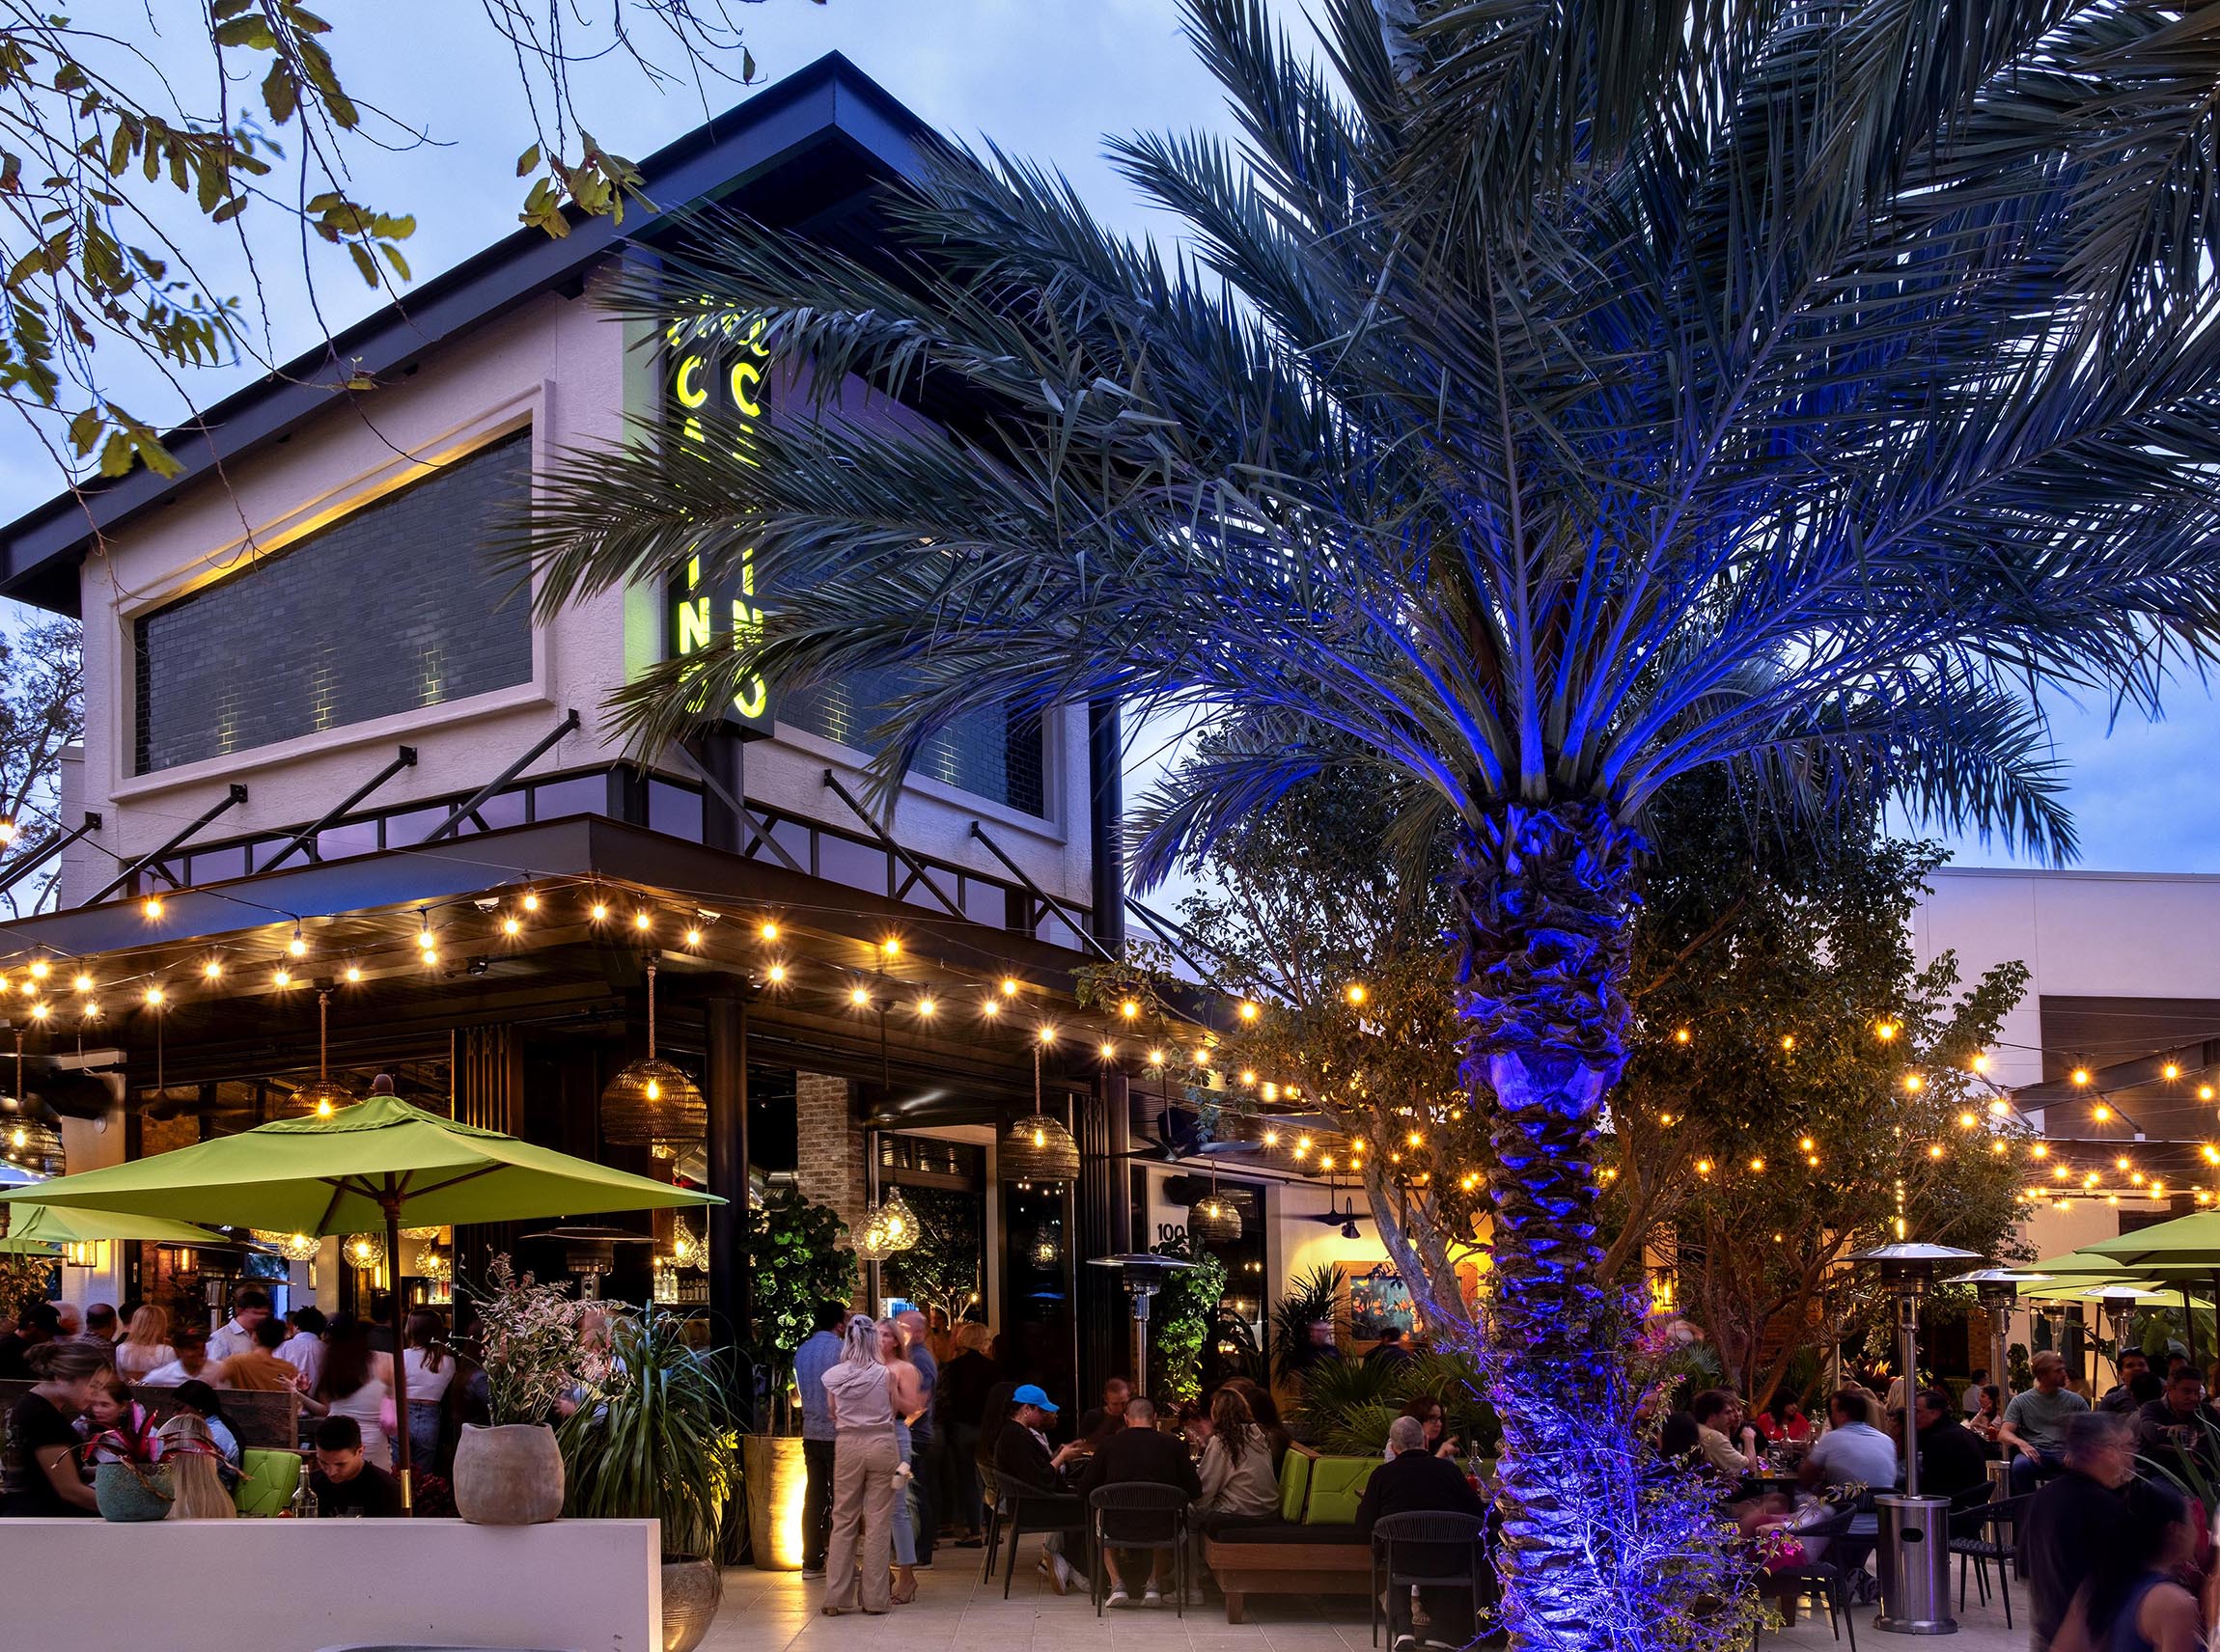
<point x="772" y="1611"/>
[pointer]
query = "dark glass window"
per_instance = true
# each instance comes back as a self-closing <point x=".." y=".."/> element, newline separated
<point x="995" y="755"/>
<point x="675" y="811"/>
<point x="210" y="866"/>
<point x="391" y="609"/>
<point x="581" y="794"/>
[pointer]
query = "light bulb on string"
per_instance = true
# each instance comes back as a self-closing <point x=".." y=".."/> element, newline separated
<point x="151" y="906"/>
<point x="599" y="912"/>
<point x="767" y="931"/>
<point x="83" y="983"/>
<point x="351" y="974"/>
<point x="530" y="900"/>
<point x="297" y="947"/>
<point x="212" y="970"/>
<point x="643" y="921"/>
<point x="511" y="925"/>
<point x="1355" y="992"/>
<point x="776" y="975"/>
<point x="693" y="937"/>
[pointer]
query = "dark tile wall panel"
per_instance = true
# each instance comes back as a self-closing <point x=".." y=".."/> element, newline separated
<point x="388" y="610"/>
<point x="991" y="754"/>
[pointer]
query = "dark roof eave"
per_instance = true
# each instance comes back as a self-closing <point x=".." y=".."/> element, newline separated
<point x="582" y="847"/>
<point x="831" y="101"/>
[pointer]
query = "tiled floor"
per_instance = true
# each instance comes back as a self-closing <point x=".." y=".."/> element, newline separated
<point x="766" y="1611"/>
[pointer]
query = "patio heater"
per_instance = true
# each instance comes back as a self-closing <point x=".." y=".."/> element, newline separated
<point x="1143" y="1273"/>
<point x="1915" y="1530"/>
<point x="1997" y="1289"/>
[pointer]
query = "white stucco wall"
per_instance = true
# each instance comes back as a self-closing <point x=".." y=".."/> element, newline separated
<point x="559" y="363"/>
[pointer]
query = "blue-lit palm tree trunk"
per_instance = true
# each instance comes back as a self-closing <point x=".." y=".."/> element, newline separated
<point x="1547" y="901"/>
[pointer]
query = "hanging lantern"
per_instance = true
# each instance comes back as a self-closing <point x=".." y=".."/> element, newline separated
<point x="431" y="1232"/>
<point x="433" y="1263"/>
<point x="299" y="1247"/>
<point x="1046" y="1249"/>
<point x="902" y="1226"/>
<point x="650" y="1101"/>
<point x="34" y="1145"/>
<point x="871" y="1240"/>
<point x="1039" y="1148"/>
<point x="86" y="1252"/>
<point x="1214" y="1219"/>
<point x="364" y="1250"/>
<point x="687" y="1251"/>
<point x="325" y="1097"/>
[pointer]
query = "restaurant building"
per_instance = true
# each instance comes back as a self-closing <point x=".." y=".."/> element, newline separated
<point x="334" y="765"/>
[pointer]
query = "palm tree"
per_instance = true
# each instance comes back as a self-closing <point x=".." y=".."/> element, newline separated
<point x="1547" y="400"/>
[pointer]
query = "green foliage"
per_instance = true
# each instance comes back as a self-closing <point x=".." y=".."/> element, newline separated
<point x="527" y="1340"/>
<point x="794" y="1261"/>
<point x="1348" y="1405"/>
<point x="1309" y="1297"/>
<point x="1179" y="1321"/>
<point x="942" y="1268"/>
<point x="113" y="176"/>
<point x="23" y="1281"/>
<point x="656" y="1440"/>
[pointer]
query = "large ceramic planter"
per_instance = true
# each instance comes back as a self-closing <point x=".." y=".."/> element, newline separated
<point x="131" y="1491"/>
<point x="692" y="1591"/>
<point x="507" y="1476"/>
<point x="775" y="1475"/>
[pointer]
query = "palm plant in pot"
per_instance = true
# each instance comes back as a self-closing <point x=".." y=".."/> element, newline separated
<point x="656" y="1440"/>
<point x="530" y="1341"/>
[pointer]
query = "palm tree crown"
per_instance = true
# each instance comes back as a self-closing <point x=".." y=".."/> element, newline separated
<point x="1549" y="399"/>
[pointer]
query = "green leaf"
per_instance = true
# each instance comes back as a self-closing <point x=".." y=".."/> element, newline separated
<point x="528" y="161"/>
<point x="281" y="91"/>
<point x="363" y="262"/>
<point x="393" y="256"/>
<point x="230" y="209"/>
<point x="250" y="32"/>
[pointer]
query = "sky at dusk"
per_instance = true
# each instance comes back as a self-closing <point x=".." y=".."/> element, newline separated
<point x="1042" y="79"/>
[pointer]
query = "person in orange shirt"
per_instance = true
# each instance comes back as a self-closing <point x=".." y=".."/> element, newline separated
<point x="260" y="1370"/>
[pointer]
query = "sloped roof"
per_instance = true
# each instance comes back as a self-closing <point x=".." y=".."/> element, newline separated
<point x="806" y="150"/>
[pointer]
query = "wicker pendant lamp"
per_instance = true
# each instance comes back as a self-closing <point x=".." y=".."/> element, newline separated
<point x="650" y="1100"/>
<point x="1214" y="1220"/>
<point x="1039" y="1148"/>
<point x="323" y="1098"/>
<point x="25" y="1140"/>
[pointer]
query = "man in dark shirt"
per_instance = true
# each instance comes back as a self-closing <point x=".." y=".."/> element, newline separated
<point x="2078" y="1524"/>
<point x="1105" y="1419"/>
<point x="39" y="1323"/>
<point x="2134" y="1363"/>
<point x="345" y="1481"/>
<point x="2169" y="1431"/>
<point x="1952" y="1456"/>
<point x="1415" y="1481"/>
<point x="1023" y="1460"/>
<point x="1135" y="1453"/>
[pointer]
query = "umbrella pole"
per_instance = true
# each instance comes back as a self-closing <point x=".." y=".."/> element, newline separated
<point x="400" y="1452"/>
<point x="2189" y="1322"/>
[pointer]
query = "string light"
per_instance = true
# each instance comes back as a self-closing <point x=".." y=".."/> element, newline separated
<point x="1681" y="1034"/>
<point x="298" y="944"/>
<point x="1048" y="1035"/>
<point x="1129" y="1009"/>
<point x="213" y="969"/>
<point x="891" y="946"/>
<point x="1788" y="1040"/>
<point x="926" y="1007"/>
<point x="154" y="997"/>
<point x="776" y="973"/>
<point x="1009" y="986"/>
<point x="599" y="912"/>
<point x="1886" y="1032"/>
<point x="1914" y="1083"/>
<point x="426" y="941"/>
<point x="858" y="997"/>
<point x="2204" y="1092"/>
<point x="767" y="931"/>
<point x="151" y="906"/>
<point x="1998" y="1107"/>
<point x="1966" y="1121"/>
<point x="1248" y="1077"/>
<point x="1249" y="1010"/>
<point x="2079" y="1075"/>
<point x="1106" y="1049"/>
<point x="531" y="900"/>
<point x="1935" y="1150"/>
<point x="643" y="921"/>
<point x="693" y="937"/>
<point x="281" y="977"/>
<point x="1354" y="992"/>
<point x="351" y="974"/>
<point x="38" y="969"/>
<point x="2101" y="1114"/>
<point x="83" y="982"/>
<point x="2042" y="1149"/>
<point x="2172" y="1069"/>
<point x="1702" y="1167"/>
<point x="1757" y="1166"/>
<point x="1155" y="1057"/>
<point x="991" y="1007"/>
<point x="1805" y="1144"/>
<point x="511" y="925"/>
<point x="1980" y="1063"/>
<point x="39" y="1011"/>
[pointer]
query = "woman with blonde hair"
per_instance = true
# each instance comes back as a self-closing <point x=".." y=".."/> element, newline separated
<point x="860" y="1392"/>
<point x="196" y="1473"/>
<point x="146" y="1345"/>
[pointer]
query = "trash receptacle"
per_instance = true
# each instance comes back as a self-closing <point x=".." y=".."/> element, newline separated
<point x="1915" y="1566"/>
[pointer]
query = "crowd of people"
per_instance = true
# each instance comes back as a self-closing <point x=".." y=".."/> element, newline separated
<point x="911" y="1428"/>
<point x="2115" y="1555"/>
<point x="82" y="1365"/>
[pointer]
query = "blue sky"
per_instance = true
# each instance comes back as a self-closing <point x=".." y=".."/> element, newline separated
<point x="1043" y="78"/>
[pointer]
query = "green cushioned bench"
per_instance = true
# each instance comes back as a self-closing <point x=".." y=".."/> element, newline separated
<point x="1314" y="1547"/>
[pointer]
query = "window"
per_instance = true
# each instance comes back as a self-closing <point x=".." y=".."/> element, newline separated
<point x="390" y="609"/>
<point x="995" y="755"/>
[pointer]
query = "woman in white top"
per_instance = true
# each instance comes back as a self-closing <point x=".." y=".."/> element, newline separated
<point x="1237" y="1467"/>
<point x="146" y="1346"/>
<point x="429" y="1368"/>
<point x="860" y="1395"/>
<point x="358" y="1381"/>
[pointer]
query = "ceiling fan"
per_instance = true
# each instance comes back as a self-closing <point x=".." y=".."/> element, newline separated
<point x="1345" y="1217"/>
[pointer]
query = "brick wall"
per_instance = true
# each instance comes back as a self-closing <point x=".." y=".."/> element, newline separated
<point x="829" y="1161"/>
<point x="392" y="608"/>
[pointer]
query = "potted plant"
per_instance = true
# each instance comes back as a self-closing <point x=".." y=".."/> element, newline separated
<point x="655" y="1439"/>
<point x="509" y="1470"/>
<point x="794" y="1260"/>
<point x="128" y="1483"/>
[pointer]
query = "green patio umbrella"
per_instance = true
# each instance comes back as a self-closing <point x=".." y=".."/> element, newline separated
<point x="2187" y="1248"/>
<point x="382" y="1163"/>
<point x="35" y="1228"/>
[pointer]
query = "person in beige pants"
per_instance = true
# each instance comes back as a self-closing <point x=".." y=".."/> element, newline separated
<point x="865" y="1457"/>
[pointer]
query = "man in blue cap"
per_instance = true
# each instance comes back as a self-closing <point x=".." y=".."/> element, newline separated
<point x="1023" y="1457"/>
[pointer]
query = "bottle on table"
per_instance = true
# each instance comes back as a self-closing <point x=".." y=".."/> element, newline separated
<point x="304" y="1499"/>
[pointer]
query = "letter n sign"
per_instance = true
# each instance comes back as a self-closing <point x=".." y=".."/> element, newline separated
<point x="715" y="391"/>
